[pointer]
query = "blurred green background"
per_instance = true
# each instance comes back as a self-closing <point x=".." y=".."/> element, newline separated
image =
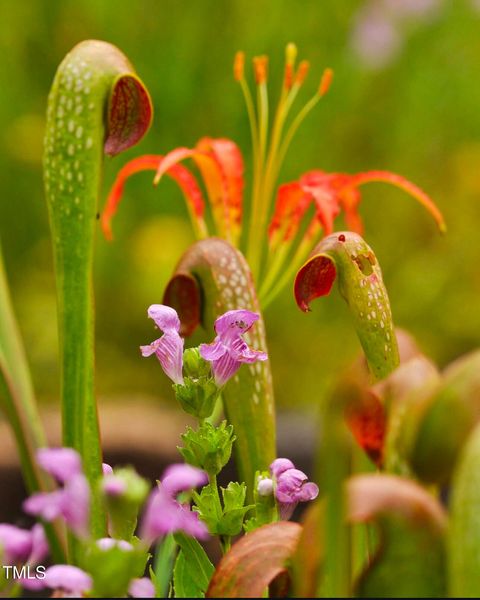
<point x="406" y="98"/>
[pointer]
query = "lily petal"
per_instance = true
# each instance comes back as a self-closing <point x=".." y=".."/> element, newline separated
<point x="405" y="185"/>
<point x="221" y="166"/>
<point x="150" y="162"/>
<point x="230" y="162"/>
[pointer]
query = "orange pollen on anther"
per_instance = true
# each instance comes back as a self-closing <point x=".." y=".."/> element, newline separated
<point x="325" y="82"/>
<point x="260" y="67"/>
<point x="288" y="79"/>
<point x="302" y="72"/>
<point x="238" y="65"/>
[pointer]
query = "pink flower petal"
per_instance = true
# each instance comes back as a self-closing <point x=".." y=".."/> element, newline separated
<point x="68" y="578"/>
<point x="165" y="317"/>
<point x="181" y="477"/>
<point x="141" y="588"/>
<point x="61" y="463"/>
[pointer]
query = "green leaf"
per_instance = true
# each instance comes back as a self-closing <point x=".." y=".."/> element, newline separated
<point x="234" y="496"/>
<point x="164" y="560"/>
<point x="255" y="561"/>
<point x="360" y="283"/>
<point x="436" y="426"/>
<point x="464" y="533"/>
<point x="206" y="503"/>
<point x="410" y="561"/>
<point x="183" y="582"/>
<point x="200" y="568"/>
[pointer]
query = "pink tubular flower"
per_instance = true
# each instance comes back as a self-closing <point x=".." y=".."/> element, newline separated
<point x="72" y="502"/>
<point x="15" y="544"/>
<point x="168" y="348"/>
<point x="61" y="463"/>
<point x="113" y="485"/>
<point x="229" y="350"/>
<point x="69" y="579"/>
<point x="22" y="546"/>
<point x="164" y="514"/>
<point x="106" y="469"/>
<point x="292" y="486"/>
<point x="40" y="546"/>
<point x="141" y="588"/>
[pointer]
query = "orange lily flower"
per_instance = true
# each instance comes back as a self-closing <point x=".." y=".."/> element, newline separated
<point x="281" y="230"/>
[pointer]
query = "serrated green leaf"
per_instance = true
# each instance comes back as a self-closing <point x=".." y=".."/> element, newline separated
<point x="234" y="496"/>
<point x="206" y="504"/>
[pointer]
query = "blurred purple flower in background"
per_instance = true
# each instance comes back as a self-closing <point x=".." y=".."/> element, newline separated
<point x="379" y="34"/>
<point x="68" y="579"/>
<point x="165" y="514"/>
<point x="61" y="463"/>
<point x="141" y="588"/>
<point x="72" y="501"/>
<point x="19" y="546"/>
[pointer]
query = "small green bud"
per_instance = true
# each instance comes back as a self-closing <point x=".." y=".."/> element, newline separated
<point x="197" y="396"/>
<point x="113" y="564"/>
<point x="265" y="505"/>
<point x="209" y="448"/>
<point x="124" y="493"/>
<point x="194" y="366"/>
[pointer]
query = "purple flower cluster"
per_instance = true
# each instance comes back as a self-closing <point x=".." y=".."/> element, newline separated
<point x="226" y="354"/>
<point x="21" y="545"/>
<point x="70" y="501"/>
<point x="291" y="486"/>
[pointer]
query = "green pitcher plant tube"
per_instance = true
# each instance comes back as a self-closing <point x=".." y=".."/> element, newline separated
<point x="97" y="105"/>
<point x="347" y="256"/>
